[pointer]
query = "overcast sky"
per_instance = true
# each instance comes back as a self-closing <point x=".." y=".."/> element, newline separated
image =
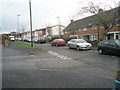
<point x="44" y="12"/>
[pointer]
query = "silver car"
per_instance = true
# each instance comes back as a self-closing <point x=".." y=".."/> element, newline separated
<point x="79" y="44"/>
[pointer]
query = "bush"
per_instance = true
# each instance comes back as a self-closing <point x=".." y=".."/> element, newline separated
<point x="65" y="38"/>
<point x="54" y="38"/>
<point x="69" y="38"/>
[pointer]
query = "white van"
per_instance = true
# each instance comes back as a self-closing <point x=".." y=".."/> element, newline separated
<point x="12" y="38"/>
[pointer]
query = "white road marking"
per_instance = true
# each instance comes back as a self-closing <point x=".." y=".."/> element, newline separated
<point x="39" y="59"/>
<point x="58" y="55"/>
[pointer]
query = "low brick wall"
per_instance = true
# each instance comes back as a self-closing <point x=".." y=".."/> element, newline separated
<point x="94" y="43"/>
<point x="5" y="42"/>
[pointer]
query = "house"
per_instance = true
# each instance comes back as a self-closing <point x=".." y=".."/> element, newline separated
<point x="90" y="28"/>
<point x="40" y="33"/>
<point x="43" y="33"/>
<point x="26" y="36"/>
<point x="54" y="31"/>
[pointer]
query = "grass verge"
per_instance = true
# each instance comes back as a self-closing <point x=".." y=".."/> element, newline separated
<point x="94" y="47"/>
<point x="24" y="45"/>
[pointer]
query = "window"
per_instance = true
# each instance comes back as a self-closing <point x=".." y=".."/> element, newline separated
<point x="72" y="40"/>
<point x="94" y="27"/>
<point x="81" y="41"/>
<point x="112" y="43"/>
<point x="102" y="27"/>
<point x="105" y="43"/>
<point x="65" y="31"/>
<point x="84" y="28"/>
<point x="79" y="29"/>
<point x="94" y="37"/>
<point x="118" y="42"/>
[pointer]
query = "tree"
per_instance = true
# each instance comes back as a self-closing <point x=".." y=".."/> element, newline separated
<point x="49" y="31"/>
<point x="59" y="30"/>
<point x="106" y="19"/>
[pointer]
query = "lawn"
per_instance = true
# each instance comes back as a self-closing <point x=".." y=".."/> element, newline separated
<point x="24" y="45"/>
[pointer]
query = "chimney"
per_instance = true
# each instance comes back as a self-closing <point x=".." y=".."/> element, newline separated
<point x="71" y="20"/>
<point x="100" y="10"/>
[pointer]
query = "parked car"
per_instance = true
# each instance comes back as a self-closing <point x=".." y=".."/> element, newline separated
<point x="109" y="46"/>
<point x="58" y="42"/>
<point x="35" y="40"/>
<point x="12" y="38"/>
<point x="79" y="44"/>
<point x="41" y="41"/>
<point x="117" y="81"/>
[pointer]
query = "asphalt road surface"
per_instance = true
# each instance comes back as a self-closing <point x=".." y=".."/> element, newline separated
<point x="57" y="67"/>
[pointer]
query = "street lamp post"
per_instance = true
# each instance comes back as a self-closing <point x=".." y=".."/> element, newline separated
<point x="59" y="29"/>
<point x="31" y="22"/>
<point x="18" y="15"/>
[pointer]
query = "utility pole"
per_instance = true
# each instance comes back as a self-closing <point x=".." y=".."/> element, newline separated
<point x="31" y="22"/>
<point x="18" y="31"/>
<point x="59" y="27"/>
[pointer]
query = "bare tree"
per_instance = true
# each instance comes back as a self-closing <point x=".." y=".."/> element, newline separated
<point x="49" y="30"/>
<point x="106" y="19"/>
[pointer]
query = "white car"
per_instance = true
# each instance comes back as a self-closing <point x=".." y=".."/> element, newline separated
<point x="79" y="44"/>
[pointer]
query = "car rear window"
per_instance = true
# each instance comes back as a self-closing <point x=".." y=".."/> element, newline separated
<point x="58" y="40"/>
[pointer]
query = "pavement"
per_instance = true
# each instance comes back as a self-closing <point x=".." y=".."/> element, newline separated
<point x="13" y="50"/>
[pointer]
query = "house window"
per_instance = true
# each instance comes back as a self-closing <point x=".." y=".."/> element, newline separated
<point x="74" y="36"/>
<point x="79" y="29"/>
<point x="102" y="27"/>
<point x="93" y="37"/>
<point x="67" y="31"/>
<point x="94" y="27"/>
<point x="84" y="28"/>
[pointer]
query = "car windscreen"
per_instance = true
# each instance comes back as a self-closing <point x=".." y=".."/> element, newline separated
<point x="81" y="41"/>
<point x="118" y="42"/>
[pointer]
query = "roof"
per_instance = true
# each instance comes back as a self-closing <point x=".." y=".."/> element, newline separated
<point x="55" y="26"/>
<point x="91" y="20"/>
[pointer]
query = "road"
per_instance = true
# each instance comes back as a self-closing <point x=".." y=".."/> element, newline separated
<point x="58" y="67"/>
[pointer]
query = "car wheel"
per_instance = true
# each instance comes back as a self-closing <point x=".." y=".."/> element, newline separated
<point x="100" y="51"/>
<point x="69" y="46"/>
<point x="78" y="48"/>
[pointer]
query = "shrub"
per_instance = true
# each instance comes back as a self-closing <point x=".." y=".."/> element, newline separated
<point x="69" y="38"/>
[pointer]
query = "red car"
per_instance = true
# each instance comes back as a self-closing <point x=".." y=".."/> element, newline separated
<point x="58" y="42"/>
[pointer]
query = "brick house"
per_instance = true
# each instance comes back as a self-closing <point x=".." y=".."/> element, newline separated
<point x="90" y="29"/>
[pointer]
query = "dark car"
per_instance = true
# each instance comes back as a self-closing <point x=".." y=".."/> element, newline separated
<point x="109" y="46"/>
